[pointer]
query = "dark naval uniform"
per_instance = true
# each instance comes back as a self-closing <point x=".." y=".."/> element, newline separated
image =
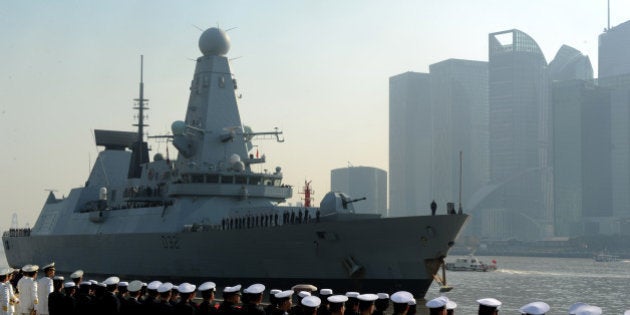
<point x="164" y="308"/>
<point x="229" y="308"/>
<point x="185" y="308"/>
<point x="55" y="303"/>
<point x="131" y="306"/>
<point x="85" y="304"/>
<point x="110" y="304"/>
<point x="252" y="309"/>
<point x="207" y="308"/>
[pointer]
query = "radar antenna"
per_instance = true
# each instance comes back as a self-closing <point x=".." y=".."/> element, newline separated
<point x="140" y="149"/>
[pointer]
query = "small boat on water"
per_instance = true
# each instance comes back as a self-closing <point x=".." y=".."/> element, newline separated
<point x="471" y="263"/>
<point x="604" y="256"/>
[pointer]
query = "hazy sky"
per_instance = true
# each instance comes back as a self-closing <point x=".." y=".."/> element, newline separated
<point x="318" y="70"/>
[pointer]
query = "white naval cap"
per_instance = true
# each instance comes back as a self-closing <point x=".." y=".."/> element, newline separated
<point x="77" y="274"/>
<point x="274" y="292"/>
<point x="401" y="297"/>
<point x="368" y="297"/>
<point x="589" y="310"/>
<point x="154" y="285"/>
<point x="412" y="301"/>
<point x="165" y="287"/>
<point x="284" y="294"/>
<point x="490" y="302"/>
<point x="69" y="285"/>
<point x="175" y="287"/>
<point x="383" y="296"/>
<point x="186" y="288"/>
<point x="134" y="286"/>
<point x="575" y="306"/>
<point x="58" y="278"/>
<point x="255" y="288"/>
<point x="234" y="289"/>
<point x="5" y="271"/>
<point x="325" y="292"/>
<point x="450" y="305"/>
<point x="535" y="308"/>
<point x="111" y="281"/>
<point x="51" y="265"/>
<point x="311" y="301"/>
<point x="304" y="287"/>
<point x="30" y="268"/>
<point x="87" y="283"/>
<point x="352" y="294"/>
<point x="337" y="299"/>
<point x="207" y="286"/>
<point x="101" y="285"/>
<point x="626" y="312"/>
<point x="437" y="302"/>
<point x="123" y="284"/>
<point x="93" y="282"/>
<point x="304" y="294"/>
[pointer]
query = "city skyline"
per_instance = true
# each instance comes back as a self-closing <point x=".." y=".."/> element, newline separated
<point x="71" y="68"/>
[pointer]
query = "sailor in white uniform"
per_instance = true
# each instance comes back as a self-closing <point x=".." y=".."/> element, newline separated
<point x="13" y="299"/>
<point x="44" y="288"/>
<point x="27" y="286"/>
<point x="4" y="292"/>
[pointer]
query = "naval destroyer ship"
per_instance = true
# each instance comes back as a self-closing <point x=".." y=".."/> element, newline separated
<point x="208" y="215"/>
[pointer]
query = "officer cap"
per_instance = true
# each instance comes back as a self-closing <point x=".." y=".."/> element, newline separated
<point x="401" y="297"/>
<point x="5" y="271"/>
<point x="304" y="294"/>
<point x="49" y="266"/>
<point x="111" y="281"/>
<point x="535" y="308"/>
<point x="30" y="268"/>
<point x="123" y="284"/>
<point x="58" y="278"/>
<point x="337" y="299"/>
<point x="93" y="282"/>
<point x="235" y="289"/>
<point x="134" y="286"/>
<point x="490" y="302"/>
<point x="69" y="285"/>
<point x="103" y="285"/>
<point x="207" y="286"/>
<point x="77" y="274"/>
<point x="284" y="294"/>
<point x="590" y="310"/>
<point x="86" y="283"/>
<point x="383" y="296"/>
<point x="304" y="287"/>
<point x="256" y="288"/>
<point x="368" y="297"/>
<point x="450" y="305"/>
<point x="575" y="306"/>
<point x="165" y="287"/>
<point x="187" y="288"/>
<point x="352" y="295"/>
<point x="412" y="301"/>
<point x="325" y="292"/>
<point x="154" y="285"/>
<point x="274" y="292"/>
<point x="437" y="302"/>
<point x="311" y="301"/>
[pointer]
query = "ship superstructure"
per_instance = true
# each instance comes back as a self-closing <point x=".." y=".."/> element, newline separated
<point x="209" y="216"/>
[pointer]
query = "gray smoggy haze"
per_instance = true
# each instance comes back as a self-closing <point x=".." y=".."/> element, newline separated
<point x="542" y="152"/>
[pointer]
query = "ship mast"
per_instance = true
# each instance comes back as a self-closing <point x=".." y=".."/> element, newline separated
<point x="307" y="191"/>
<point x="139" y="149"/>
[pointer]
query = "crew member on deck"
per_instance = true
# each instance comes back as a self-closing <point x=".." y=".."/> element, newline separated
<point x="273" y="302"/>
<point x="164" y="307"/>
<point x="450" y="307"/>
<point x="69" y="300"/>
<point x="110" y="302"/>
<point x="77" y="277"/>
<point x="488" y="306"/>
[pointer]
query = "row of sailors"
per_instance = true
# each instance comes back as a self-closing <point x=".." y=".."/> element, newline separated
<point x="51" y="295"/>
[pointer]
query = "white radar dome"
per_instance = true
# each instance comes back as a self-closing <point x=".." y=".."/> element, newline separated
<point x="214" y="42"/>
<point x="235" y="158"/>
<point x="178" y="128"/>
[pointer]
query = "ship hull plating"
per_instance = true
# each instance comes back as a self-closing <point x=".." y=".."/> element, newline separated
<point x="374" y="254"/>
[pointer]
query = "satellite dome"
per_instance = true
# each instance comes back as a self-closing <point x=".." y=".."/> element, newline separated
<point x="158" y="157"/>
<point x="235" y="158"/>
<point x="178" y="128"/>
<point x="214" y="42"/>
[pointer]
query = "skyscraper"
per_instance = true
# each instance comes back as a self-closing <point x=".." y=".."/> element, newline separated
<point x="614" y="51"/>
<point x="519" y="137"/>
<point x="359" y="182"/>
<point x="410" y="142"/>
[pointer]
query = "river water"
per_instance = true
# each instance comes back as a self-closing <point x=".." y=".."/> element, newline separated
<point x="559" y="282"/>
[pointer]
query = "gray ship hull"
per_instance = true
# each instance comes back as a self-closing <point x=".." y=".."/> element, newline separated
<point x="373" y="254"/>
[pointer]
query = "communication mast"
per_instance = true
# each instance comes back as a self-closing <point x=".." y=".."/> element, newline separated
<point x="307" y="191"/>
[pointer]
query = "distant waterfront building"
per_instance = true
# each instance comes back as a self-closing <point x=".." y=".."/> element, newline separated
<point x="582" y="160"/>
<point x="362" y="181"/>
<point x="614" y="51"/>
<point x="410" y="143"/>
<point x="459" y="98"/>
<point x="614" y="74"/>
<point x="520" y="192"/>
<point x="570" y="64"/>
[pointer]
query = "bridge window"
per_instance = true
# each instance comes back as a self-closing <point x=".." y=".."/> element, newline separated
<point x="213" y="179"/>
<point x="241" y="180"/>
